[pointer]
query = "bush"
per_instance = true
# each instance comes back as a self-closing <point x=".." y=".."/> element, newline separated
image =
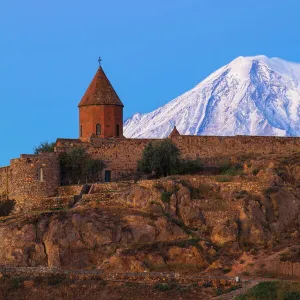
<point x="190" y="166"/>
<point x="228" y="168"/>
<point x="255" y="171"/>
<point x="6" y="207"/>
<point x="17" y="281"/>
<point x="273" y="290"/>
<point x="44" y="147"/>
<point x="165" y="197"/>
<point x="56" y="280"/>
<point x="78" y="166"/>
<point x="163" y="287"/>
<point x="223" y="178"/>
<point x="163" y="159"/>
<point x="226" y="270"/>
<point x="160" y="157"/>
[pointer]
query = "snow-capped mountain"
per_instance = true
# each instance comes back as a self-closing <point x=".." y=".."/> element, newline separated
<point x="250" y="96"/>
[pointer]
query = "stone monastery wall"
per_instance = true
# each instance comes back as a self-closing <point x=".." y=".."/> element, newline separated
<point x="31" y="176"/>
<point x="214" y="146"/>
<point x="121" y="155"/>
<point x="24" y="180"/>
<point x="4" y="181"/>
<point x="35" y="176"/>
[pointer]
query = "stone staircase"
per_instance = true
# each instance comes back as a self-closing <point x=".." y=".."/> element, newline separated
<point x="105" y="193"/>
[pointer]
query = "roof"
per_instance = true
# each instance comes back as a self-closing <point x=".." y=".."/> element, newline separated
<point x="174" y="132"/>
<point x="100" y="92"/>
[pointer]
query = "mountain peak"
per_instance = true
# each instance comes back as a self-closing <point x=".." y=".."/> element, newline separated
<point x="253" y="95"/>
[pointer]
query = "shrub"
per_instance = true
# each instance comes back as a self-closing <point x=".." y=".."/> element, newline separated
<point x="163" y="159"/>
<point x="160" y="157"/>
<point x="226" y="270"/>
<point x="273" y="290"/>
<point x="165" y="197"/>
<point x="163" y="287"/>
<point x="17" y="281"/>
<point x="224" y="178"/>
<point x="219" y="292"/>
<point x="44" y="147"/>
<point x="56" y="280"/>
<point x="228" y="168"/>
<point x="255" y="171"/>
<point x="6" y="207"/>
<point x="190" y="166"/>
<point x="131" y="284"/>
<point x="77" y="166"/>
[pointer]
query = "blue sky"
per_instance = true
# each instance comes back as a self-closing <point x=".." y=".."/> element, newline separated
<point x="152" y="52"/>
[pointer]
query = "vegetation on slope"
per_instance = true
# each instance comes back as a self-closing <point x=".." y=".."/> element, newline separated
<point x="275" y="290"/>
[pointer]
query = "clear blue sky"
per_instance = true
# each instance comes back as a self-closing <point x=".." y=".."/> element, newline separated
<point x="152" y="52"/>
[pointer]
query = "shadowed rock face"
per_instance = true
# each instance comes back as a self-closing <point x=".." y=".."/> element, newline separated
<point x="202" y="218"/>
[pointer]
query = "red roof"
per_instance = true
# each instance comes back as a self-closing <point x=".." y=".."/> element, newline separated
<point x="100" y="92"/>
<point x="174" y="132"/>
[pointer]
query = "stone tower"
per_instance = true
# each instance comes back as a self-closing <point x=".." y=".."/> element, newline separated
<point x="100" y="110"/>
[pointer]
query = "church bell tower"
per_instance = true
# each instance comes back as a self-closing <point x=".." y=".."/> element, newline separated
<point x="100" y="109"/>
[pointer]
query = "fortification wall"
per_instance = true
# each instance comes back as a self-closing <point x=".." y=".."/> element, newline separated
<point x="34" y="176"/>
<point x="121" y="155"/>
<point x="213" y="146"/>
<point x="4" y="181"/>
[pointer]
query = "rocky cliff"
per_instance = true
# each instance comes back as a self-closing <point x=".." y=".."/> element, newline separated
<point x="191" y="223"/>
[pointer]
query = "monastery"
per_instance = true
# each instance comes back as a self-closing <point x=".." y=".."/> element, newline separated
<point x="101" y="134"/>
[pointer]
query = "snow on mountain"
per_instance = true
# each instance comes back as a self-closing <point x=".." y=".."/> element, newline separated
<point x="250" y="96"/>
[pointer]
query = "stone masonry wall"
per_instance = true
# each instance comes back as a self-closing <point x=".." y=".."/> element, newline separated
<point x="4" y="180"/>
<point x="25" y="176"/>
<point x="214" y="146"/>
<point x="70" y="190"/>
<point x="121" y="155"/>
<point x="289" y="268"/>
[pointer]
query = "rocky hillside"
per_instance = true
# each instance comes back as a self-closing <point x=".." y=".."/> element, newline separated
<point x="249" y="96"/>
<point x="205" y="222"/>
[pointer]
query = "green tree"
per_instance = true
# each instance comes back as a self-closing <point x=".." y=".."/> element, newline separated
<point x="44" y="147"/>
<point x="161" y="158"/>
<point x="78" y="166"/>
<point x="92" y="169"/>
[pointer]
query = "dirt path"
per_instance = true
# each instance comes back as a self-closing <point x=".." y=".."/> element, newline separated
<point x="247" y="285"/>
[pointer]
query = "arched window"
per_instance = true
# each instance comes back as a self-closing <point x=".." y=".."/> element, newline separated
<point x="41" y="174"/>
<point x="118" y="130"/>
<point x="98" y="129"/>
<point x="80" y="130"/>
